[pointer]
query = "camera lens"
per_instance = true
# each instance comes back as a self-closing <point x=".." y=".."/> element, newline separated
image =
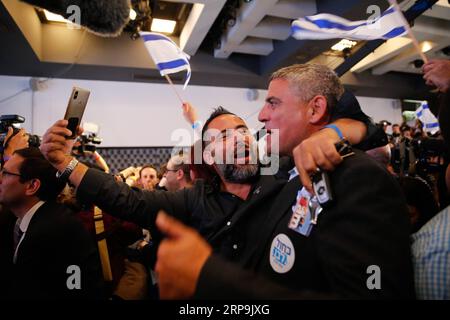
<point x="75" y="95"/>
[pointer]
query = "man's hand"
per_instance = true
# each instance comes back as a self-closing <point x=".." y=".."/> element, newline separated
<point x="318" y="151"/>
<point x="181" y="257"/>
<point x="437" y="73"/>
<point x="55" y="147"/>
<point x="128" y="171"/>
<point x="18" y="141"/>
<point x="189" y="113"/>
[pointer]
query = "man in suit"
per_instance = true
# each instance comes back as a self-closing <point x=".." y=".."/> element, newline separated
<point x="52" y="256"/>
<point x="357" y="247"/>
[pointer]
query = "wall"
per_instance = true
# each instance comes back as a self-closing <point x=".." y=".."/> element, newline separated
<point x="21" y="103"/>
<point x="142" y="114"/>
<point x="129" y="114"/>
<point x="382" y="109"/>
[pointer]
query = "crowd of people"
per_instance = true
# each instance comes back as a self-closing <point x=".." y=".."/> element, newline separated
<point x="368" y="223"/>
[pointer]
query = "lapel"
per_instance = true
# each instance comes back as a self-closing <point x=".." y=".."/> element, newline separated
<point x="281" y="206"/>
<point x="7" y="223"/>
<point x="26" y="246"/>
<point x="263" y="191"/>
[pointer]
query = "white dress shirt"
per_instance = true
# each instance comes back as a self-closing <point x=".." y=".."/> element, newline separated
<point x="25" y="223"/>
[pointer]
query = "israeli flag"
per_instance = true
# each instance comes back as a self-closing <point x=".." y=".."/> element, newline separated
<point x="168" y="57"/>
<point x="389" y="25"/>
<point x="430" y="123"/>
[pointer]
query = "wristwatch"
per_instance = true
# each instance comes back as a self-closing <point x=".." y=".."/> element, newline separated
<point x="68" y="170"/>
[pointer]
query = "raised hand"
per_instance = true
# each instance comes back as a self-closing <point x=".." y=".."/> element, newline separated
<point x="181" y="257"/>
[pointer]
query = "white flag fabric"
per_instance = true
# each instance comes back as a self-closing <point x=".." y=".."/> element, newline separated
<point x="430" y="123"/>
<point x="168" y="57"/>
<point x="388" y="25"/>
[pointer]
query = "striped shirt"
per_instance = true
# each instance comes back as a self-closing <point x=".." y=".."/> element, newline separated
<point x="431" y="258"/>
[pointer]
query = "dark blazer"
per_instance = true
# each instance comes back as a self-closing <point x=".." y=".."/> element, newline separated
<point x="7" y="222"/>
<point x="54" y="241"/>
<point x="367" y="226"/>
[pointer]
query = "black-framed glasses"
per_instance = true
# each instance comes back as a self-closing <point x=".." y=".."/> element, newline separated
<point x="4" y="172"/>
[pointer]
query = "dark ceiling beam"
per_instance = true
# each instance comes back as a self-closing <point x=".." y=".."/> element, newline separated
<point x="293" y="51"/>
<point x="203" y="77"/>
<point x="411" y="14"/>
<point x="394" y="85"/>
<point x="14" y="44"/>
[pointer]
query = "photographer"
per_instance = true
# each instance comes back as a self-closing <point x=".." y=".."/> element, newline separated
<point x="85" y="146"/>
<point x="13" y="143"/>
<point x="98" y="159"/>
<point x="402" y="152"/>
<point x="12" y="138"/>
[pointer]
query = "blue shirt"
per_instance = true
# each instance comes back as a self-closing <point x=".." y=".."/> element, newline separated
<point x="431" y="258"/>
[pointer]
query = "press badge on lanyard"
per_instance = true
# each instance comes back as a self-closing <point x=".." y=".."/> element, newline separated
<point x="304" y="213"/>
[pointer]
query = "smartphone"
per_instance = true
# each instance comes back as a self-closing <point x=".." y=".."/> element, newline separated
<point x="75" y="109"/>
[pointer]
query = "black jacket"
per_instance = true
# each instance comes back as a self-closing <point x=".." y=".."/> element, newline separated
<point x="218" y="216"/>
<point x="53" y="241"/>
<point x="367" y="226"/>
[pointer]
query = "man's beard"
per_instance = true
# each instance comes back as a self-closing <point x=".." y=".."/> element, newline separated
<point x="238" y="173"/>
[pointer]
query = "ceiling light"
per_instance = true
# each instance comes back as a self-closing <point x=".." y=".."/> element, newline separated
<point x="54" y="17"/>
<point x="426" y="46"/>
<point x="133" y="14"/>
<point x="163" y="25"/>
<point x="343" y="44"/>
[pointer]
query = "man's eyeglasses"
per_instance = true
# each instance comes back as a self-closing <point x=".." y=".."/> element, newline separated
<point x="228" y="133"/>
<point x="4" y="172"/>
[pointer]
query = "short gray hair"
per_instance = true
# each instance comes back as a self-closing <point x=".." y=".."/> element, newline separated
<point x="310" y="80"/>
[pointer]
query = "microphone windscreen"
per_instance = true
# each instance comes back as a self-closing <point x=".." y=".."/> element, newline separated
<point x="103" y="17"/>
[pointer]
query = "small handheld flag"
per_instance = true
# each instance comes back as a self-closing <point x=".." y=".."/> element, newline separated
<point x="430" y="123"/>
<point x="168" y="57"/>
<point x="388" y="25"/>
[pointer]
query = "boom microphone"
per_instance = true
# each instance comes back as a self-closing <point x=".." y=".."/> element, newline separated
<point x="103" y="17"/>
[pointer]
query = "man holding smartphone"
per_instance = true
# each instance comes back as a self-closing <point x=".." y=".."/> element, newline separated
<point x="75" y="109"/>
<point x="358" y="248"/>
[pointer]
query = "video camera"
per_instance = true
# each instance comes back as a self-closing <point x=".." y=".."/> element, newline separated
<point x="430" y="154"/>
<point x="88" y="142"/>
<point x="89" y="139"/>
<point x="12" y="120"/>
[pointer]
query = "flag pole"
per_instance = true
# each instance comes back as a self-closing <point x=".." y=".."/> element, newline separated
<point x="173" y="87"/>
<point x="408" y="29"/>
